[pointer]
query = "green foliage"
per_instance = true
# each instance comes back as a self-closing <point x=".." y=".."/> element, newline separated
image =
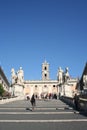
<point x="1" y="90"/>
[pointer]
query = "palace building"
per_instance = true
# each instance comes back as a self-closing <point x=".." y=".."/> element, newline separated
<point x="44" y="87"/>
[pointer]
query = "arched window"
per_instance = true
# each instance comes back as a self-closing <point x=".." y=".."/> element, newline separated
<point x="35" y="86"/>
<point x="54" y="86"/>
<point x="45" y="68"/>
<point x="45" y="75"/>
<point x="45" y="86"/>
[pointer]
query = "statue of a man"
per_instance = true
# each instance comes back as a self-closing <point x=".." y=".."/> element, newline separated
<point x="66" y="75"/>
<point x="13" y="76"/>
<point x="20" y="76"/>
<point x="60" y="75"/>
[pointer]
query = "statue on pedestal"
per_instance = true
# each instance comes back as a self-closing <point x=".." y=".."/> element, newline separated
<point x="17" y="80"/>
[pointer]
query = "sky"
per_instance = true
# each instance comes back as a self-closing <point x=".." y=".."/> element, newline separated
<point x="32" y="31"/>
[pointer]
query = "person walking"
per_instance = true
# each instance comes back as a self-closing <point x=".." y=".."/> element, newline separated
<point x="76" y="102"/>
<point x="33" y="102"/>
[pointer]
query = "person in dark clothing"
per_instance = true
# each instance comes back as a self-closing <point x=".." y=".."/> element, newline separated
<point x="33" y="102"/>
<point x="76" y="102"/>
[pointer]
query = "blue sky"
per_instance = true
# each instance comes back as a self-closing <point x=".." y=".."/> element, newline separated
<point x="34" y="30"/>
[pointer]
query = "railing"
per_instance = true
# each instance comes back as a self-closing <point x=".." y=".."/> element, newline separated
<point x="82" y="102"/>
<point x="4" y="100"/>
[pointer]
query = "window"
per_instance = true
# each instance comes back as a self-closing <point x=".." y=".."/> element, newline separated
<point x="35" y="86"/>
<point x="54" y="86"/>
<point x="45" y="75"/>
<point x="45" y="86"/>
<point x="45" y="68"/>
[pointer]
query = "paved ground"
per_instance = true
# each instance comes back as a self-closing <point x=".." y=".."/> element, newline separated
<point x="48" y="114"/>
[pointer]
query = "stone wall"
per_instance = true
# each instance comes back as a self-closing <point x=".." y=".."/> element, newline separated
<point x="82" y="103"/>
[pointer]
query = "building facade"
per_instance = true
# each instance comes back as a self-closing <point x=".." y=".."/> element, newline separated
<point x="41" y="88"/>
<point x="83" y="80"/>
<point x="3" y="80"/>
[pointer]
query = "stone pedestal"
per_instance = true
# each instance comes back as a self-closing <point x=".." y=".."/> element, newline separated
<point x="18" y="90"/>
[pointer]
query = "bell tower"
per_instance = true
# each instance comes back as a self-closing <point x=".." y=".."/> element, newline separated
<point x="45" y="71"/>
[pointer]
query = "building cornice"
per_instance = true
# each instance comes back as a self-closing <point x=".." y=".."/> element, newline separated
<point x="40" y="81"/>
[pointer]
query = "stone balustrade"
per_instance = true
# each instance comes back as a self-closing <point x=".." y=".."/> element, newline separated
<point x="6" y="100"/>
<point x="70" y="101"/>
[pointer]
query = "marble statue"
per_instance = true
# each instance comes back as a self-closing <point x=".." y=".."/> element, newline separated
<point x="66" y="75"/>
<point x="60" y="75"/>
<point x="20" y="76"/>
<point x="13" y="76"/>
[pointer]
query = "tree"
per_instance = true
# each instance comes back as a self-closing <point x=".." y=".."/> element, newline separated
<point x="1" y="90"/>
